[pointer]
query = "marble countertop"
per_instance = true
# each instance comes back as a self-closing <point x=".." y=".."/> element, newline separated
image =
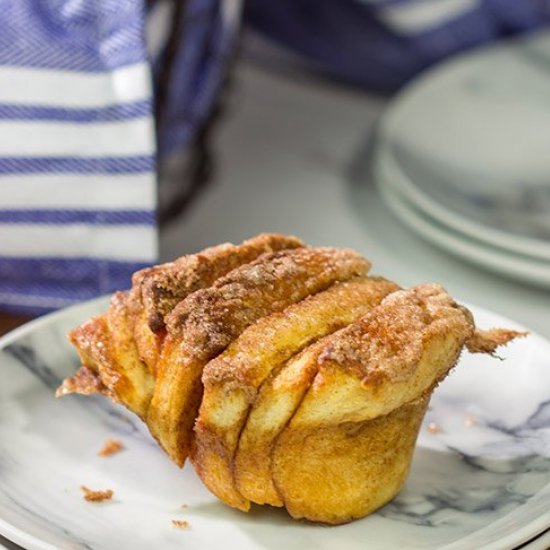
<point x="293" y="157"/>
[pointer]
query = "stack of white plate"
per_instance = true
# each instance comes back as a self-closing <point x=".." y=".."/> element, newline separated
<point x="463" y="158"/>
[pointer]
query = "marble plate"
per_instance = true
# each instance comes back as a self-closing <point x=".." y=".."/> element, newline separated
<point x="502" y="262"/>
<point x="485" y="485"/>
<point x="468" y="143"/>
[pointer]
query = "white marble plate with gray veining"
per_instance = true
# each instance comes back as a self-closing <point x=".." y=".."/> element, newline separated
<point x="485" y="485"/>
<point x="468" y="142"/>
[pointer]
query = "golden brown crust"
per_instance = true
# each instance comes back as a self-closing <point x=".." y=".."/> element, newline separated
<point x="353" y="426"/>
<point x="243" y="364"/>
<point x="232" y="379"/>
<point x="107" y="348"/>
<point x="279" y="397"/>
<point x="86" y="382"/>
<point x="148" y="343"/>
<point x="487" y="341"/>
<point x="135" y="388"/>
<point x="341" y="472"/>
<point x="211" y="318"/>
<point x="388" y="343"/>
<point x="206" y="322"/>
<point x="157" y="290"/>
<point x="167" y="285"/>
<point x="120" y="346"/>
<point x="404" y="346"/>
<point x="93" y="342"/>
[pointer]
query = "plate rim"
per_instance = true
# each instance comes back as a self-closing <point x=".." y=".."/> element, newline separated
<point x="462" y="247"/>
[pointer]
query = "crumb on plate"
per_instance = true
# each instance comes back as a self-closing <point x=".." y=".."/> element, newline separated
<point x="180" y="524"/>
<point x="470" y="421"/>
<point x="184" y="506"/>
<point x="110" y="447"/>
<point x="96" y="496"/>
<point x="434" y="428"/>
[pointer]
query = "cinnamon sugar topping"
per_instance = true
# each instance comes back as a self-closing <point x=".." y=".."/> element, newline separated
<point x="387" y="343"/>
<point x="162" y="288"/>
<point x="209" y="319"/>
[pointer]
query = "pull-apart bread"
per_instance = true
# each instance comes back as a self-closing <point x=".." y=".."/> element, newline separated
<point x="286" y="374"/>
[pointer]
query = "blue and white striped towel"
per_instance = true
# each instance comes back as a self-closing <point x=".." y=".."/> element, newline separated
<point x="77" y="142"/>
<point x="76" y="151"/>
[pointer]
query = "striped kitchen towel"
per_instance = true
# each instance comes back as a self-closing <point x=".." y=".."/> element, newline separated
<point x="77" y="137"/>
<point x="77" y="151"/>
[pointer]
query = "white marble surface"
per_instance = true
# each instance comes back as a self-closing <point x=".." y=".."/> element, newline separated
<point x="481" y="486"/>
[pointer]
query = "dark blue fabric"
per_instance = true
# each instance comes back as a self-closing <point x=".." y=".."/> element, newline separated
<point x="348" y="39"/>
<point x="61" y="272"/>
<point x="76" y="165"/>
<point x="113" y="113"/>
<point x="83" y="35"/>
<point x="207" y="39"/>
<point x="89" y="217"/>
<point x="33" y="286"/>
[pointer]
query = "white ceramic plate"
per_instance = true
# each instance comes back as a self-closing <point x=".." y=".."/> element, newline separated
<point x="468" y="143"/>
<point x="504" y="263"/>
<point x="482" y="486"/>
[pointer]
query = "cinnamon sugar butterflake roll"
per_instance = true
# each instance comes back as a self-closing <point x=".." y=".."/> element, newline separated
<point x="287" y="375"/>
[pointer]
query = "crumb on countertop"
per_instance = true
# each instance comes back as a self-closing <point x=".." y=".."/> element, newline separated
<point x="184" y="506"/>
<point x="110" y="447"/>
<point x="180" y="524"/>
<point x="434" y="428"/>
<point x="96" y="496"/>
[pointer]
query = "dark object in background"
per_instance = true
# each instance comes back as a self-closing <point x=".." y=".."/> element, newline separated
<point x="8" y="322"/>
<point x="190" y="77"/>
